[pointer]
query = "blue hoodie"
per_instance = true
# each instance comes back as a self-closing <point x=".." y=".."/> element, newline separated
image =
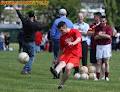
<point x="54" y="32"/>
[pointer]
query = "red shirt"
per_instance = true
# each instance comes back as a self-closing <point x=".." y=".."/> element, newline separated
<point x="71" y="36"/>
<point x="93" y="27"/>
<point x="38" y="38"/>
<point x="107" y="30"/>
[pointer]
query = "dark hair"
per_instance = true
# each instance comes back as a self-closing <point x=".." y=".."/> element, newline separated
<point x="31" y="13"/>
<point x="98" y="14"/>
<point x="103" y="17"/>
<point x="61" y="24"/>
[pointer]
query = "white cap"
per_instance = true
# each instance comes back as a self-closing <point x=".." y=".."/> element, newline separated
<point x="62" y="12"/>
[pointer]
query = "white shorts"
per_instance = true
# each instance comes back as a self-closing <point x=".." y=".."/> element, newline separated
<point x="103" y="51"/>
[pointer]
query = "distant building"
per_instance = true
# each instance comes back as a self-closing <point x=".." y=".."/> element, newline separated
<point x="89" y="7"/>
<point x="13" y="29"/>
<point x="92" y="1"/>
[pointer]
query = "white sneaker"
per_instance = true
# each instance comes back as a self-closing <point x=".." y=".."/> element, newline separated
<point x="103" y="78"/>
<point x="107" y="79"/>
<point x="96" y="79"/>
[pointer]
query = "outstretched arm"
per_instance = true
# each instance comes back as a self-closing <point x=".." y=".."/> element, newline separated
<point x="19" y="14"/>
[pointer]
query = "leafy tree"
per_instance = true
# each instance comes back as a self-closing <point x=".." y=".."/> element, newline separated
<point x="51" y="11"/>
<point x="72" y="6"/>
<point x="111" y="11"/>
<point x="1" y="10"/>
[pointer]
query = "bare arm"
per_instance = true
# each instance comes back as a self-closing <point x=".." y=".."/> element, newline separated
<point x="102" y="36"/>
<point x="105" y="36"/>
<point x="90" y="33"/>
<point x="97" y="37"/>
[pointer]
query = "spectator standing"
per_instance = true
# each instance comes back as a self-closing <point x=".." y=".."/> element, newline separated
<point x="38" y="40"/>
<point x="91" y="33"/>
<point x="7" y="41"/>
<point x="20" y="39"/>
<point x="103" y="38"/>
<point x="83" y="28"/>
<point x="2" y="41"/>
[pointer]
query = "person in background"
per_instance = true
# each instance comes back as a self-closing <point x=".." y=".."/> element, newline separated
<point x="38" y="40"/>
<point x="83" y="28"/>
<point x="117" y="41"/>
<point x="2" y="41"/>
<point x="20" y="39"/>
<point x="49" y="41"/>
<point x="103" y="38"/>
<point x="91" y="33"/>
<point x="7" y="41"/>
<point x="114" y="37"/>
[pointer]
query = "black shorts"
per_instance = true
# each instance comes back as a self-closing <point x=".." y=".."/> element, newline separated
<point x="93" y="56"/>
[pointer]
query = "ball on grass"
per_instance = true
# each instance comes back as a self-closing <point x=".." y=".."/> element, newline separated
<point x="83" y="69"/>
<point x="84" y="76"/>
<point x="92" y="76"/>
<point x="23" y="57"/>
<point x="91" y="69"/>
<point x="77" y="76"/>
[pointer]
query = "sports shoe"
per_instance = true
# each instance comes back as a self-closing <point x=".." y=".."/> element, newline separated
<point x="51" y="69"/>
<point x="76" y="70"/>
<point x="103" y="78"/>
<point x="54" y="72"/>
<point x="24" y="72"/>
<point x="96" y="79"/>
<point x="107" y="79"/>
<point x="60" y="87"/>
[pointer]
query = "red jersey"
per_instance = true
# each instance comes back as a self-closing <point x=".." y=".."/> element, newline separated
<point x="71" y="36"/>
<point x="38" y="38"/>
<point x="93" y="28"/>
<point x="107" y="30"/>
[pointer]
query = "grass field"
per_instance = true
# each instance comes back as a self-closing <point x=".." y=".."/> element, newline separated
<point x="41" y="79"/>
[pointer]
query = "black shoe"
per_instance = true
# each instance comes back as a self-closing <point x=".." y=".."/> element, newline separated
<point x="55" y="77"/>
<point x="60" y="87"/>
<point x="29" y="72"/>
<point x="51" y="70"/>
<point x="76" y="70"/>
<point x="24" y="72"/>
<point x="55" y="74"/>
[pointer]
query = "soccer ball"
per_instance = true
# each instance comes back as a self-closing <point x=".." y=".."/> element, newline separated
<point x="91" y="69"/>
<point x="23" y="57"/>
<point x="92" y="76"/>
<point x="84" y="69"/>
<point x="77" y="76"/>
<point x="84" y="76"/>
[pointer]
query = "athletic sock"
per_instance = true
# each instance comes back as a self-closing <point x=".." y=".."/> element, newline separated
<point x="106" y="74"/>
<point x="98" y="75"/>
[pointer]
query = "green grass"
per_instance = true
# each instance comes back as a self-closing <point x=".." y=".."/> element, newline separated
<point x="41" y="79"/>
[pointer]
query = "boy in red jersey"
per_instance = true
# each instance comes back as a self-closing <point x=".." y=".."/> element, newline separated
<point x="71" y="51"/>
